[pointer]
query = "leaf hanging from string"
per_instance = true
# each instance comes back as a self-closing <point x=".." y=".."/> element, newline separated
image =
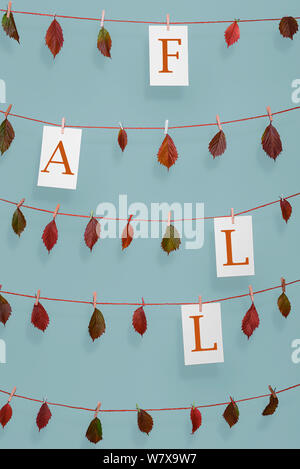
<point x="92" y="233"/>
<point x="5" y="414"/>
<point x="127" y="236"/>
<point x="39" y="317"/>
<point x="284" y="305"/>
<point x="43" y="416"/>
<point x="104" y="42"/>
<point x="232" y="33"/>
<point x="122" y="139"/>
<point x="97" y="324"/>
<point x="9" y="26"/>
<point x="272" y="406"/>
<point x="167" y="154"/>
<point x="217" y="145"/>
<point x="250" y="321"/>
<point x="139" y="320"/>
<point x="50" y="235"/>
<point x="196" y="419"/>
<point x="171" y="240"/>
<point x="94" y="431"/>
<point x="288" y="26"/>
<point x="7" y="135"/>
<point x="145" y="421"/>
<point x="5" y="310"/>
<point x="271" y="142"/>
<point x="54" y="37"/>
<point x="286" y="209"/>
<point x="231" y="414"/>
<point x="18" y="222"/>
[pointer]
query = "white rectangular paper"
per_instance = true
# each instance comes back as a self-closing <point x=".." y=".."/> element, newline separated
<point x="168" y="51"/>
<point x="202" y="334"/>
<point x="234" y="246"/>
<point x="59" y="157"/>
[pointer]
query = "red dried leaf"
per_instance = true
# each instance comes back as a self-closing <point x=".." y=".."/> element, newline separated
<point x="5" y="310"/>
<point x="232" y="33"/>
<point x="92" y="233"/>
<point x="50" y="235"/>
<point x="286" y="209"/>
<point x="145" y="421"/>
<point x="196" y="419"/>
<point x="54" y="37"/>
<point x="39" y="317"/>
<point x="43" y="416"/>
<point x="250" y="321"/>
<point x="139" y="320"/>
<point x="104" y="42"/>
<point x="232" y="413"/>
<point x="271" y="142"/>
<point x="167" y="154"/>
<point x="288" y="26"/>
<point x="122" y="139"/>
<point x="5" y="414"/>
<point x="217" y="145"/>
<point x="127" y="236"/>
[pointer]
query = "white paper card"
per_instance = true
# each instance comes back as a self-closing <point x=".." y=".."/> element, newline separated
<point x="234" y="246"/>
<point x="202" y="334"/>
<point x="169" y="61"/>
<point x="59" y="157"/>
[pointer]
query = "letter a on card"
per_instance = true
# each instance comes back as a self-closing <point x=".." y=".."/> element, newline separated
<point x="169" y="62"/>
<point x="234" y="246"/>
<point x="59" y="157"/>
<point x="202" y="334"/>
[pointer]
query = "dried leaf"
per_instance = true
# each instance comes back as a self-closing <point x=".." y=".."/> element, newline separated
<point x="7" y="135"/>
<point x="232" y="33"/>
<point x="284" y="305"/>
<point x="196" y="419"/>
<point x="104" y="42"/>
<point x="272" y="406"/>
<point x="139" y="320"/>
<point x="286" y="209"/>
<point x="231" y="414"/>
<point x="18" y="222"/>
<point x="5" y="414"/>
<point x="127" y="236"/>
<point x="54" y="37"/>
<point x="217" y="145"/>
<point x="92" y="233"/>
<point x="39" y="317"/>
<point x="250" y="321"/>
<point x="9" y="26"/>
<point x="171" y="240"/>
<point x="288" y="26"/>
<point x="145" y="421"/>
<point x="167" y="154"/>
<point x="50" y="235"/>
<point x="94" y="432"/>
<point x="43" y="416"/>
<point x="97" y="324"/>
<point x="122" y="139"/>
<point x="271" y="142"/>
<point x="5" y="310"/>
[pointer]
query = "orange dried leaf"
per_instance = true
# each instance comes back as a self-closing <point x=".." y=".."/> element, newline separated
<point x="122" y="139"/>
<point x="232" y="33"/>
<point x="167" y="154"/>
<point x="127" y="236"/>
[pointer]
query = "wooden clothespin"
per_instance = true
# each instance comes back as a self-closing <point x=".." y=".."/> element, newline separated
<point x="102" y="19"/>
<point x="232" y="216"/>
<point x="166" y="127"/>
<point x="8" y="111"/>
<point x="283" y="284"/>
<point x="63" y="123"/>
<point x="219" y="122"/>
<point x="8" y="9"/>
<point x="12" y="394"/>
<point x="168" y="22"/>
<point x="37" y="297"/>
<point x="20" y="203"/>
<point x="251" y="293"/>
<point x="121" y="126"/>
<point x="269" y="113"/>
<point x="94" y="300"/>
<point x="169" y="218"/>
<point x="56" y="211"/>
<point x="272" y="391"/>
<point x="97" y="410"/>
<point x="200" y="304"/>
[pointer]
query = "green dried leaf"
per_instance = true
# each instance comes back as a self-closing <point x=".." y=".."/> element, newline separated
<point x="94" y="432"/>
<point x="18" y="222"/>
<point x="104" y="42"/>
<point x="9" y="26"/>
<point x="171" y="240"/>
<point x="7" y="135"/>
<point x="284" y="305"/>
<point x="97" y="324"/>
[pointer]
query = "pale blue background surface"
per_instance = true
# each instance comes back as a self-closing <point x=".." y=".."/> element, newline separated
<point x="121" y="368"/>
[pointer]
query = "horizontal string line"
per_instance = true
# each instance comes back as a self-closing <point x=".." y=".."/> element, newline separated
<point x="243" y="295"/>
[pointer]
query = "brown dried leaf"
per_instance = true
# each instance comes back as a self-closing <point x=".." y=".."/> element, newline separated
<point x="92" y="233"/>
<point x="122" y="139"/>
<point x="272" y="406"/>
<point x="288" y="26"/>
<point x="167" y="154"/>
<point x="284" y="305"/>
<point x="231" y="414"/>
<point x="145" y="421"/>
<point x="54" y="37"/>
<point x="139" y="320"/>
<point x="7" y="135"/>
<point x="171" y="240"/>
<point x="5" y="310"/>
<point x="271" y="142"/>
<point x="104" y="42"/>
<point x="94" y="431"/>
<point x="97" y="324"/>
<point x="9" y="26"/>
<point x="18" y="222"/>
<point x="286" y="209"/>
<point x="217" y="145"/>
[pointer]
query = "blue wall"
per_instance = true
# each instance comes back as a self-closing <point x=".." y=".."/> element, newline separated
<point x="122" y="369"/>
